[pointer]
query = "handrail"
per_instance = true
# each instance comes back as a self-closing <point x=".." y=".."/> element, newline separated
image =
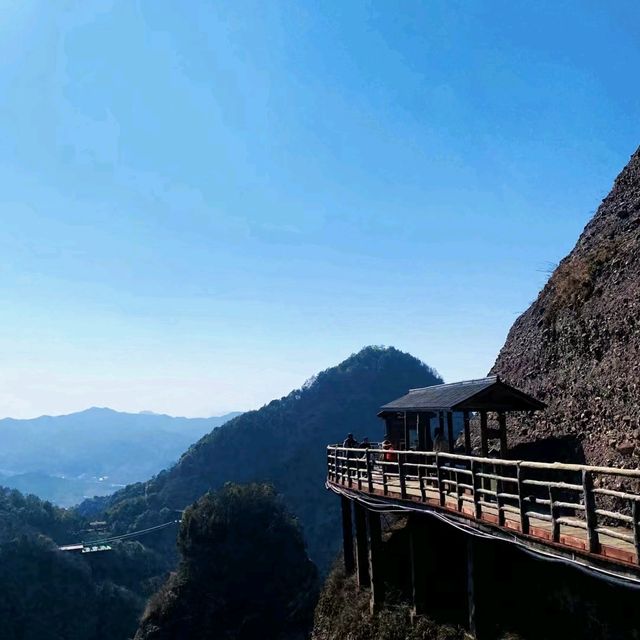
<point x="632" y="473"/>
<point x="489" y="489"/>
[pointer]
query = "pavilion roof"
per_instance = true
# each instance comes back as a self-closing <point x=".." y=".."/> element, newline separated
<point x="490" y="394"/>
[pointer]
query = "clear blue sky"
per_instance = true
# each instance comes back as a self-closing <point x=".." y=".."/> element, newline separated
<point x="204" y="203"/>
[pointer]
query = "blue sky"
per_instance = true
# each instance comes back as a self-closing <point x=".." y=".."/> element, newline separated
<point x="204" y="203"/>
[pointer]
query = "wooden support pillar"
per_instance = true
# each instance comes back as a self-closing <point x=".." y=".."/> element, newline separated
<point x="427" y="417"/>
<point x="502" y="427"/>
<point x="471" y="586"/>
<point x="362" y="549"/>
<point x="374" y="535"/>
<point x="441" y="422"/>
<point x="467" y="433"/>
<point x="347" y="535"/>
<point x="418" y="547"/>
<point x="450" y="430"/>
<point x="554" y="513"/>
<point x="484" y="436"/>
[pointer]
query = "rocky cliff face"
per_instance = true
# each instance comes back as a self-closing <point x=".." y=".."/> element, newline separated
<point x="578" y="346"/>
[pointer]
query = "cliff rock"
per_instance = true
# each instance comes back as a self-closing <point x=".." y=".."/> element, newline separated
<point x="577" y="347"/>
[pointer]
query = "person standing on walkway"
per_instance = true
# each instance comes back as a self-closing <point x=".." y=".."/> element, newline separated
<point x="350" y="442"/>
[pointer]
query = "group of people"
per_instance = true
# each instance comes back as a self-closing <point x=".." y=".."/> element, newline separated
<point x="351" y="443"/>
<point x="439" y="442"/>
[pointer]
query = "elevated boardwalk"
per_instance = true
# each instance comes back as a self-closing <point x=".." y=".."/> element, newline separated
<point x="577" y="511"/>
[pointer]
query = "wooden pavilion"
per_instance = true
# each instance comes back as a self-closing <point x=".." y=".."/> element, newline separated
<point x="409" y="418"/>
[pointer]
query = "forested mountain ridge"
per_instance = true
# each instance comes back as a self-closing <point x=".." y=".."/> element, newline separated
<point x="93" y="452"/>
<point x="284" y="443"/>
<point x="577" y="347"/>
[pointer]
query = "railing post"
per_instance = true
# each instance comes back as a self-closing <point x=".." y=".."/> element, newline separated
<point x="635" y="512"/>
<point x="401" y="476"/>
<point x="440" y="483"/>
<point x="590" y="515"/>
<point x="369" y="470"/>
<point x="524" y="518"/>
<point x="348" y="461"/>
<point x="335" y="462"/>
<point x="553" y="511"/>
<point x="458" y="491"/>
<point x="476" y="482"/>
<point x="499" y="490"/>
<point x="421" y="471"/>
<point x="385" y="485"/>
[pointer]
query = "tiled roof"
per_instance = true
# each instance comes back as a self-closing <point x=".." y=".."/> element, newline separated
<point x="486" y="393"/>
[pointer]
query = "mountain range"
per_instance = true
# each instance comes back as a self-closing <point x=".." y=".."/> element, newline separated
<point x="283" y="443"/>
<point x="68" y="458"/>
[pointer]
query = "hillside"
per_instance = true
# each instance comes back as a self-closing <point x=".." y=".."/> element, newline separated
<point x="577" y="347"/>
<point x="283" y="443"/>
<point x="67" y="458"/>
<point x="243" y="573"/>
<point x="51" y="595"/>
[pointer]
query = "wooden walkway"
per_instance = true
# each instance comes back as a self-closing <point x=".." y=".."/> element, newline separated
<point x="591" y="511"/>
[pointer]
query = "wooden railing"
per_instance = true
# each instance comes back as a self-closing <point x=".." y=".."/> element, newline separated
<point x="596" y="509"/>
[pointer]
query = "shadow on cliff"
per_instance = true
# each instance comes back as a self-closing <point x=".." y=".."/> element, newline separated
<point x="565" y="449"/>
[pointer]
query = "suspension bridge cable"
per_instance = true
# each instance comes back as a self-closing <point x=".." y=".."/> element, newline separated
<point x="123" y="536"/>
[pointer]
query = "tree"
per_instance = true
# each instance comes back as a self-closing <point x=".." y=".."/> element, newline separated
<point x="243" y="574"/>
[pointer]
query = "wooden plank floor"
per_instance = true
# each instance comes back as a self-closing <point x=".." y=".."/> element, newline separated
<point x="572" y="537"/>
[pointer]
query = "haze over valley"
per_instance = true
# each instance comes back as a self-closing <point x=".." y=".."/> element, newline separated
<point x="69" y="458"/>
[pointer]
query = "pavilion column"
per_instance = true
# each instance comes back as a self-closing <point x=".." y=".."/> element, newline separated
<point x="406" y="431"/>
<point x="422" y="432"/>
<point x="467" y="434"/>
<point x="441" y="422"/>
<point x="374" y="534"/>
<point x="484" y="436"/>
<point x="450" y="430"/>
<point x="427" y="424"/>
<point x="347" y="535"/>
<point x="502" y="427"/>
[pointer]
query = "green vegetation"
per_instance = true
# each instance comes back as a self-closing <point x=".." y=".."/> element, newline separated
<point x="575" y="278"/>
<point x="51" y="595"/>
<point x="61" y="596"/>
<point x="343" y="614"/>
<point x="283" y="443"/>
<point x="243" y="574"/>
